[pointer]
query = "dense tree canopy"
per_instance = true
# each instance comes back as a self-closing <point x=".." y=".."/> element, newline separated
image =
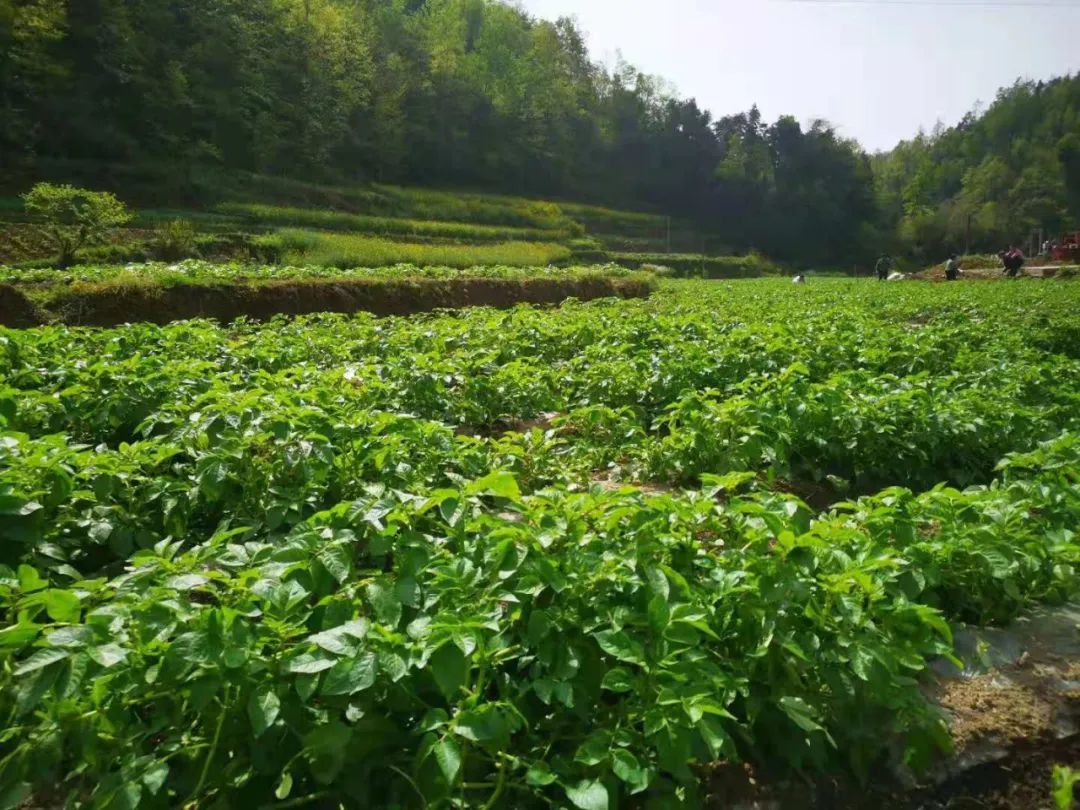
<point x="993" y="178"/>
<point x="478" y="93"/>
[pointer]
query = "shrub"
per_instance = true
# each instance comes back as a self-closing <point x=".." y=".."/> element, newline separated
<point x="75" y="217"/>
<point x="175" y="239"/>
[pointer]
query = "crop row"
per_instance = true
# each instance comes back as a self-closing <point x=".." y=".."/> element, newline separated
<point x="391" y="226"/>
<point x="268" y="459"/>
<point x="476" y="647"/>
<point x="203" y="272"/>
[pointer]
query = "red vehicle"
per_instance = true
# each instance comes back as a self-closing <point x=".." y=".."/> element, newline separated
<point x="1068" y="249"/>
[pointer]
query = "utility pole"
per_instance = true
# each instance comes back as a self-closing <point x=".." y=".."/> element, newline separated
<point x="967" y="237"/>
<point x="669" y="234"/>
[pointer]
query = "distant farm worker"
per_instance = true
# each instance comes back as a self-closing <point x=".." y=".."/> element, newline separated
<point x="952" y="268"/>
<point x="1012" y="261"/>
<point x="884" y="264"/>
<point x="799" y="279"/>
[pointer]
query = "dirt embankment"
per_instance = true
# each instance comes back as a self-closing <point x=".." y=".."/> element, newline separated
<point x="111" y="304"/>
<point x="15" y="309"/>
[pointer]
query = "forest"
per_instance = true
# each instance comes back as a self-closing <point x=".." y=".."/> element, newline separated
<point x="478" y="94"/>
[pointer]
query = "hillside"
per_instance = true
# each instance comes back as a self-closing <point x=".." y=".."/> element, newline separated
<point x="249" y="217"/>
<point x="991" y="180"/>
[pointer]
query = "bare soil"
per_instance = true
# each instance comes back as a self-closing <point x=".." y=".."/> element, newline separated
<point x="1011" y="725"/>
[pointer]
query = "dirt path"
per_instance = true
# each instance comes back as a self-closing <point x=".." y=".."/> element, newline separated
<point x="1014" y="713"/>
<point x="937" y="273"/>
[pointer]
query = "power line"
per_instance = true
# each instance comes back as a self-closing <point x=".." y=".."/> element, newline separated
<point x="952" y="3"/>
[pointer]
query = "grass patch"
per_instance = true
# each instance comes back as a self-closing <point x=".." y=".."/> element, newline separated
<point x="598" y="219"/>
<point x="490" y="209"/>
<point x="386" y="226"/>
<point x="405" y="202"/>
<point x="203" y="220"/>
<point x="351" y="250"/>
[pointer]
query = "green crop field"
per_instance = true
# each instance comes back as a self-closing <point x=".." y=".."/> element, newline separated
<point x="353" y="250"/>
<point x="561" y="557"/>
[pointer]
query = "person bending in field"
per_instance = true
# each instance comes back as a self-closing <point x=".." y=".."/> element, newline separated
<point x="1012" y="261"/>
<point x="883" y="266"/>
<point x="799" y="279"/>
<point x="952" y="268"/>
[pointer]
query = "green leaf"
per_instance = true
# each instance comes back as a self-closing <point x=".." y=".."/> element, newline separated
<point x="621" y="646"/>
<point x="658" y="583"/>
<point x="30" y="580"/>
<point x="800" y="713"/>
<point x="306" y="685"/>
<point x="325" y="749"/>
<point x="186" y="582"/>
<point x="334" y="641"/>
<point x="108" y="655"/>
<point x="539" y="775"/>
<point x="385" y="603"/>
<point x="127" y="797"/>
<point x="392" y="665"/>
<point x="40" y="660"/>
<point x="308" y="664"/>
<point x="626" y="766"/>
<point x="500" y="484"/>
<point x="62" y="606"/>
<point x="588" y="794"/>
<point x="595" y="749"/>
<point x="19" y="635"/>
<point x="485" y="724"/>
<point x="434" y="719"/>
<point x="284" y="787"/>
<point x="75" y="637"/>
<point x="336" y="560"/>
<point x="350" y="675"/>
<point x="659" y="614"/>
<point x="713" y="734"/>
<point x="154" y="776"/>
<point x="448" y="756"/>
<point x="449" y="668"/>
<point x="539" y="626"/>
<point x="263" y="708"/>
<point x="862" y="663"/>
<point x="617" y="679"/>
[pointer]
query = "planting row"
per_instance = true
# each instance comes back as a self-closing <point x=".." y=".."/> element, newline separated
<point x="476" y="647"/>
<point x="203" y="272"/>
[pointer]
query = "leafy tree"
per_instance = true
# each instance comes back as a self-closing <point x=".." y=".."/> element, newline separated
<point x="75" y="217"/>
<point x="996" y="176"/>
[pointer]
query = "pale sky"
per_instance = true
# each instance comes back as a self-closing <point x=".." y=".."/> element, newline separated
<point x="877" y="69"/>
